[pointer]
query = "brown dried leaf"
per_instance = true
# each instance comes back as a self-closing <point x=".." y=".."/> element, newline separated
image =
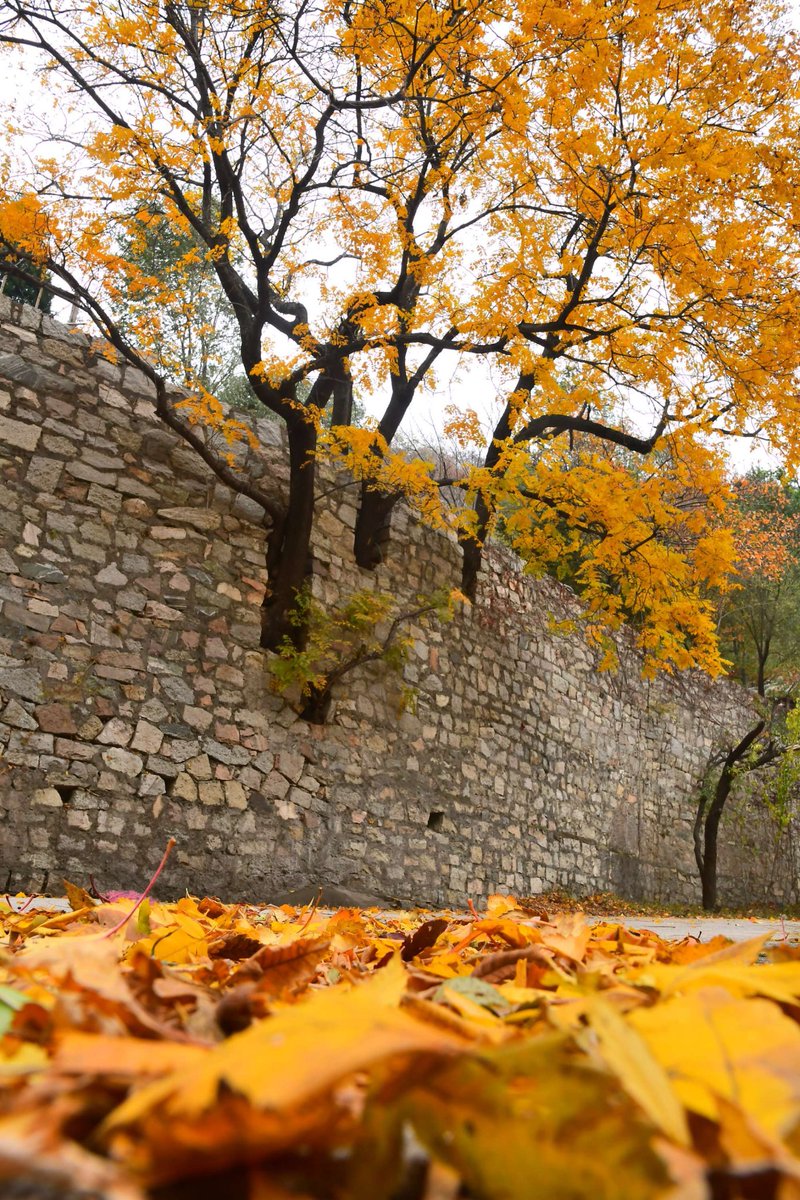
<point x="423" y="938"/>
<point x="287" y="969"/>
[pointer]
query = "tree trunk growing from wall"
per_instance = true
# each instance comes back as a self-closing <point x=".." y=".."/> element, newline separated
<point x="743" y="758"/>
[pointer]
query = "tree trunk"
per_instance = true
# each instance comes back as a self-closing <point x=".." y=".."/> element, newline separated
<point x="762" y="652"/>
<point x="372" y="526"/>
<point x="289" y="546"/>
<point x="472" y="550"/>
<point x="708" y="878"/>
<point x="316" y="705"/>
<point x="707" y="858"/>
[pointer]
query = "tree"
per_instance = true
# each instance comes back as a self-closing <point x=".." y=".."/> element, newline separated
<point x="176" y="306"/>
<point x="379" y="185"/>
<point x="30" y="285"/>
<point x="634" y="537"/>
<point x="759" y="616"/>
<point x="773" y="739"/>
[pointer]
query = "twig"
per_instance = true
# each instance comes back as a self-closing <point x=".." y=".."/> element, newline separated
<point x="310" y="916"/>
<point x="145" y="893"/>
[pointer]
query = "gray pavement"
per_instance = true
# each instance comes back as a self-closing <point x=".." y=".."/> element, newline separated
<point x="702" y="929"/>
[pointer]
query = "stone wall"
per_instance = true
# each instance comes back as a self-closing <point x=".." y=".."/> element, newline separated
<point x="135" y="702"/>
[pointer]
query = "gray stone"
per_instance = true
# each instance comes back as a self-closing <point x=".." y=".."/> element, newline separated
<point x="42" y="572"/>
<point x="88" y="474"/>
<point x="231" y="755"/>
<point x="19" y="370"/>
<point x="162" y="766"/>
<point x="123" y="762"/>
<point x="44" y="473"/>
<point x="18" y="717"/>
<point x="25" y="683"/>
<point x="18" y="434"/>
<point x="177" y="689"/>
<point x="115" y="733"/>
<point x="111" y="575"/>
<point x="154" y="710"/>
<point x="152" y="785"/>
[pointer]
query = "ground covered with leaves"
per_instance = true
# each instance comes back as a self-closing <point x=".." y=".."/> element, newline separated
<point x="201" y="1049"/>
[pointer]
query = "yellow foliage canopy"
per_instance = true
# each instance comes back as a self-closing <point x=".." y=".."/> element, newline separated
<point x="586" y="213"/>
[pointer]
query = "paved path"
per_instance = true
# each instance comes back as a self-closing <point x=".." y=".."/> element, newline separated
<point x="705" y="928"/>
<point x="702" y="928"/>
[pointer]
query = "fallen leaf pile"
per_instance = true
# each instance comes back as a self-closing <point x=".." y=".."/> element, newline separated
<point x="270" y="1053"/>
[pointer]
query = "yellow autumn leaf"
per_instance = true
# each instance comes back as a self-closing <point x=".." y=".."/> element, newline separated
<point x="712" y="1044"/>
<point x="627" y="1054"/>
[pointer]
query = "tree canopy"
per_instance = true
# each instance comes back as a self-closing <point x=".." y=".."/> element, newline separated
<point x="591" y="211"/>
<point x="759" y="616"/>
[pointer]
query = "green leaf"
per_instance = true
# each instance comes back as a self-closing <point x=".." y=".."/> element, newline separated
<point x="11" y="1001"/>
<point x="474" y="989"/>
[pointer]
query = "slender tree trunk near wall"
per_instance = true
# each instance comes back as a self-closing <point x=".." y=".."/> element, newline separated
<point x="706" y="825"/>
<point x="289" y="546"/>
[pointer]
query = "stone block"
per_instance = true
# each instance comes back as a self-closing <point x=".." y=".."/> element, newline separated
<point x="111" y="576"/>
<point x="210" y="791"/>
<point x="147" y="738"/>
<point x="183" y="788"/>
<point x="18" y="717"/>
<point x="115" y="733"/>
<point x="19" y="435"/>
<point x="230" y="755"/>
<point x="204" y="520"/>
<point x="44" y="473"/>
<point x="290" y="764"/>
<point x="197" y="718"/>
<point x="47" y="797"/>
<point x="23" y="682"/>
<point x="56" y="718"/>
<point x="235" y="795"/>
<point x="199" y="766"/>
<point x="123" y="762"/>
<point x="275" y="786"/>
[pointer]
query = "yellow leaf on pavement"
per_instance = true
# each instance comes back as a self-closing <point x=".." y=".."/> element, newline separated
<point x="627" y="1054"/>
<point x="283" y="1067"/>
<point x="713" y="1044"/>
<point x="98" y="1054"/>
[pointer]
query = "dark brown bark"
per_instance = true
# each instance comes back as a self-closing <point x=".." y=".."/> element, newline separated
<point x="372" y="526"/>
<point x="289" y="545"/>
<point x="472" y="550"/>
<point x="706" y="825"/>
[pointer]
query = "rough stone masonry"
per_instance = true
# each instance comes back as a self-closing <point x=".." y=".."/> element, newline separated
<point x="135" y="701"/>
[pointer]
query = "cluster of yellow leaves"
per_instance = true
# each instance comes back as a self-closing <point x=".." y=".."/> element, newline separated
<point x="362" y="1054"/>
<point x="366" y="454"/>
<point x="642" y="542"/>
<point x="24" y="225"/>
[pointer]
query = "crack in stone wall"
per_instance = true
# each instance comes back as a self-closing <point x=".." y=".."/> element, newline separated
<point x="135" y="701"/>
